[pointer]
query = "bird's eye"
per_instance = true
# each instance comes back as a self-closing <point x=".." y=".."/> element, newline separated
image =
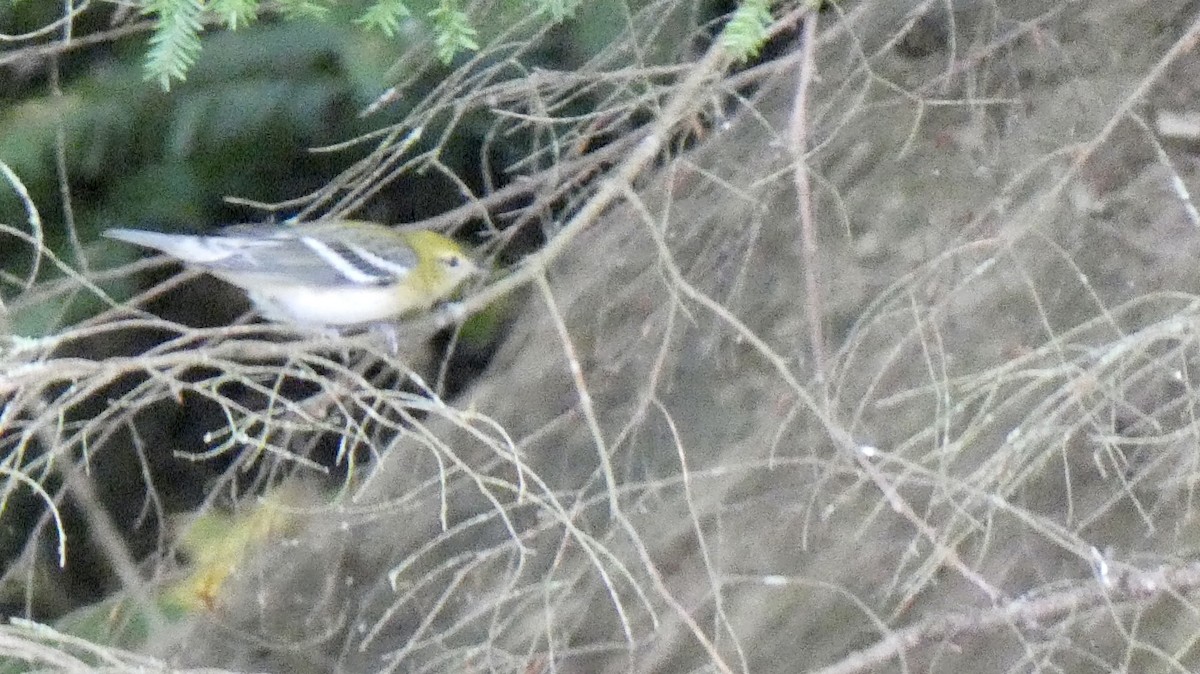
<point x="453" y="261"/>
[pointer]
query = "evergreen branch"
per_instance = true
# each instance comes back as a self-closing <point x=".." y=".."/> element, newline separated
<point x="746" y="31"/>
<point x="452" y="30"/>
<point x="176" y="39"/>
<point x="234" y="13"/>
<point x="385" y="16"/>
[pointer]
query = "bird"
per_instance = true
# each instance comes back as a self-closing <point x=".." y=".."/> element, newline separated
<point x="323" y="274"/>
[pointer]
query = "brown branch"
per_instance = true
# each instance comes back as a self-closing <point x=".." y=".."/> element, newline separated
<point x="1135" y="586"/>
<point x="798" y="136"/>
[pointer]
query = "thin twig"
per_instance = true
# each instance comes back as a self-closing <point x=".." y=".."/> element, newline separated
<point x="798" y="136"/>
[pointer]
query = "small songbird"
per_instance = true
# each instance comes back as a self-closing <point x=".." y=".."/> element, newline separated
<point x="335" y="273"/>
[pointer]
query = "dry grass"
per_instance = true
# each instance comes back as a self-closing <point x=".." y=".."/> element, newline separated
<point x="891" y="369"/>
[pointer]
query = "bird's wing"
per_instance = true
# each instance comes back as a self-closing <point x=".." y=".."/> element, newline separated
<point x="273" y="254"/>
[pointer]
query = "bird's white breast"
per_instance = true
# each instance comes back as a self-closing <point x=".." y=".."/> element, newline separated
<point x="334" y="306"/>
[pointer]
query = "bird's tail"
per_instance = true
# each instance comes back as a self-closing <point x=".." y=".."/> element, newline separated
<point x="189" y="248"/>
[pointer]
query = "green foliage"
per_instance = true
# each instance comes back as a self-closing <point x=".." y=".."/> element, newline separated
<point x="176" y="39"/>
<point x="216" y="546"/>
<point x="235" y="13"/>
<point x="452" y="30"/>
<point x="117" y="622"/>
<point x="385" y="16"/>
<point x="175" y="42"/>
<point x="747" y="29"/>
<point x="302" y="9"/>
<point x="558" y="10"/>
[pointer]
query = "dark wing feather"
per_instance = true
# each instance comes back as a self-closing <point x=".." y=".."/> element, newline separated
<point x="324" y="254"/>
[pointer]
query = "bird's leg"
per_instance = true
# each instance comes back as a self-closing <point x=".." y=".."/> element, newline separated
<point x="390" y="335"/>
